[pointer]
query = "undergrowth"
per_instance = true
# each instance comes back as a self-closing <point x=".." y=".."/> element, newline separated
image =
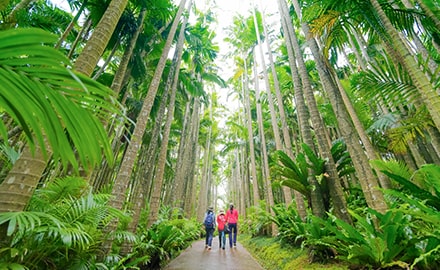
<point x="273" y="255"/>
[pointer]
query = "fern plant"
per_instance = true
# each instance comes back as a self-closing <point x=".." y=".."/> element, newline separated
<point x="257" y="221"/>
<point x="291" y="227"/>
<point x="60" y="229"/>
<point x="381" y="246"/>
<point x="418" y="196"/>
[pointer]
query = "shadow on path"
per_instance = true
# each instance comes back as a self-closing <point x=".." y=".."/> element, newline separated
<point x="197" y="257"/>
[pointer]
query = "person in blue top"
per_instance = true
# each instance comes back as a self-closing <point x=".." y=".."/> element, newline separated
<point x="209" y="222"/>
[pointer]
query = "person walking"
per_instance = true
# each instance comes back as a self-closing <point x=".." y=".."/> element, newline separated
<point x="221" y="226"/>
<point x="232" y="219"/>
<point x="209" y="223"/>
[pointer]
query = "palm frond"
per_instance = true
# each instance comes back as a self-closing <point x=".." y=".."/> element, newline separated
<point x="388" y="83"/>
<point x="293" y="175"/>
<point x="49" y="101"/>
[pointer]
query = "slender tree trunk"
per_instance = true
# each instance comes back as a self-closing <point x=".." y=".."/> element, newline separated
<point x="273" y="112"/>
<point x="109" y="59"/>
<point x="161" y="162"/>
<point x="266" y="171"/>
<point x="10" y="19"/>
<point x="203" y="195"/>
<point x="340" y="104"/>
<point x="247" y="112"/>
<point x="81" y="35"/>
<point x="315" y="198"/>
<point x="71" y="24"/>
<point x="122" y="69"/>
<point x="192" y="158"/>
<point x="286" y="136"/>
<point x="429" y="11"/>
<point x="125" y="171"/>
<point x="102" y="33"/>
<point x="179" y="181"/>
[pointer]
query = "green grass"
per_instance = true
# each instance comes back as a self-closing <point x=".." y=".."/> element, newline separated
<point x="273" y="255"/>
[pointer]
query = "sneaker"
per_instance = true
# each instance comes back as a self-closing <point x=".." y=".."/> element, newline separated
<point x="206" y="246"/>
<point x="209" y="248"/>
<point x="235" y="245"/>
<point x="223" y="248"/>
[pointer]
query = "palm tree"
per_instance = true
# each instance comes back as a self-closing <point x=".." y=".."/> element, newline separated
<point x="367" y="179"/>
<point x="241" y="40"/>
<point x="173" y="78"/>
<point x="394" y="43"/>
<point x="47" y="122"/>
<point x="128" y="162"/>
<point x="273" y="112"/>
<point x="264" y="155"/>
<point x="302" y="111"/>
<point x="95" y="46"/>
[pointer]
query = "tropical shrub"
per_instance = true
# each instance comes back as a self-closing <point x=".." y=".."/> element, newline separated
<point x="166" y="238"/>
<point x="291" y="227"/>
<point x="257" y="222"/>
<point x="62" y="228"/>
<point x="375" y="240"/>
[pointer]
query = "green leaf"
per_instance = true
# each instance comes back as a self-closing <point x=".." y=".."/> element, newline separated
<point x="64" y="110"/>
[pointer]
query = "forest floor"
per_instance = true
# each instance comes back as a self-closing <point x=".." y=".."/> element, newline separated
<point x="198" y="257"/>
<point x="273" y="255"/>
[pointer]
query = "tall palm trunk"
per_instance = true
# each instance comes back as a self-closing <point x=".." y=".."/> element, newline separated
<point x="273" y="112"/>
<point x="191" y="161"/>
<point x="102" y="33"/>
<point x="204" y="180"/>
<point x="179" y="179"/>
<point x="350" y="132"/>
<point x="161" y="162"/>
<point x="315" y="199"/>
<point x="191" y="200"/>
<point x="85" y="30"/>
<point x="247" y="112"/>
<point x="207" y="163"/>
<point x="10" y="19"/>
<point x="264" y="155"/>
<point x="130" y="157"/>
<point x="287" y="146"/>
<point x="109" y="58"/>
<point x="334" y="183"/>
<point x="122" y="68"/>
<point x="143" y="183"/>
<point x="428" y="10"/>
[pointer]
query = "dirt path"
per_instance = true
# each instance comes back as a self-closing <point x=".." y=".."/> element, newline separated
<point x="197" y="257"/>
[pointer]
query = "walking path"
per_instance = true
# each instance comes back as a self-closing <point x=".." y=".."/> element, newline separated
<point x="197" y="257"/>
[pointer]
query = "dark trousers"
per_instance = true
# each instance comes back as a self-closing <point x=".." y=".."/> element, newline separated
<point x="209" y="235"/>
<point x="232" y="233"/>
<point x="221" y="238"/>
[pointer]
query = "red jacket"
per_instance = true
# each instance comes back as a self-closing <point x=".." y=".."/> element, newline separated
<point x="221" y="221"/>
<point x="232" y="216"/>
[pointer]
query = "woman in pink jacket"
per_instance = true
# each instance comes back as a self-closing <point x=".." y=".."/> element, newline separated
<point x="232" y="219"/>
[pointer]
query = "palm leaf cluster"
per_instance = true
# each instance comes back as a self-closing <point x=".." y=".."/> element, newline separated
<point x="49" y="102"/>
<point x="406" y="236"/>
<point x="61" y="227"/>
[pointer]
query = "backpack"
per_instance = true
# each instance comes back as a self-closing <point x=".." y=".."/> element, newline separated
<point x="209" y="220"/>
